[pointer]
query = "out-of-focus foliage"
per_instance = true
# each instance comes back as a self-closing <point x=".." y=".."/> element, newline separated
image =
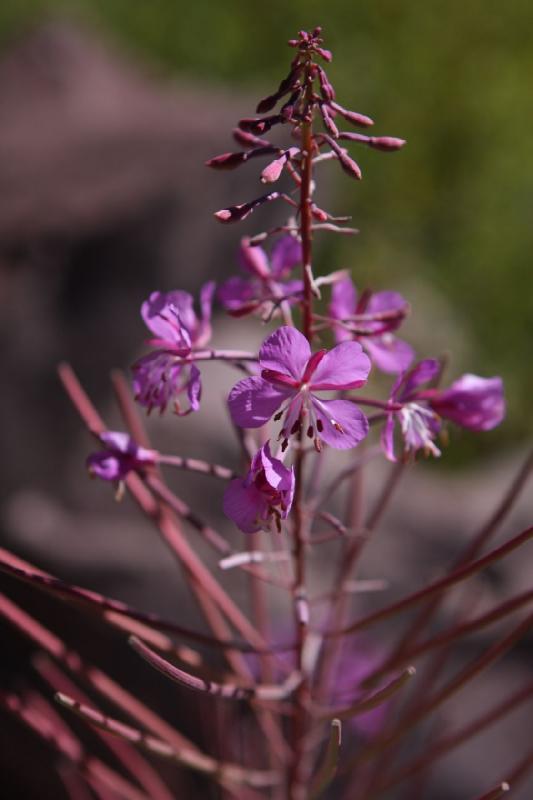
<point x="453" y="211"/>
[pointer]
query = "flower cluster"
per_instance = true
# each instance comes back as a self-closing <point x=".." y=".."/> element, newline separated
<point x="164" y="374"/>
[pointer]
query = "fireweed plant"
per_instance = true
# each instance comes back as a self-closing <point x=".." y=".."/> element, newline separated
<point x="303" y="676"/>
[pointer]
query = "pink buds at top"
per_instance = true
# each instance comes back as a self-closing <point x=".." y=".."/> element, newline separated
<point x="325" y="54"/>
<point x="327" y="90"/>
<point x="352" y="116"/>
<point x="258" y="126"/>
<point x="386" y="144"/>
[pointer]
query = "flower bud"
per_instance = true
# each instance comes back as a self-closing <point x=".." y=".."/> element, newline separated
<point x="353" y="116"/>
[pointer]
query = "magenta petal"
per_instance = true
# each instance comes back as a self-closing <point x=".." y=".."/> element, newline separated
<point x="343" y="299"/>
<point x="388" y="353"/>
<point x="286" y="351"/>
<point x="107" y="466"/>
<point x="253" y="260"/>
<point x="423" y="372"/>
<point x="245" y="505"/>
<point x="386" y="301"/>
<point x="343" y="367"/>
<point x="194" y="388"/>
<point x="276" y="473"/>
<point x="253" y="401"/>
<point x="343" y="305"/>
<point x="170" y="316"/>
<point x="472" y="402"/>
<point x="347" y="415"/>
<point x="286" y="254"/>
<point x="235" y="293"/>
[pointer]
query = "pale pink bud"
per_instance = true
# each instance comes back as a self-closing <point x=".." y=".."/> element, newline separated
<point x="272" y="171"/>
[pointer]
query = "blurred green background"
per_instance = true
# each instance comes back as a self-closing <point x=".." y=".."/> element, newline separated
<point x="447" y="220"/>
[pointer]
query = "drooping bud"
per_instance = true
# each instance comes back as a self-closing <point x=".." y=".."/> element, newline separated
<point x="352" y="116"/>
<point x="326" y="89"/>
<point x="328" y="120"/>
<point x="348" y="164"/>
<point x="248" y="139"/>
<point x="325" y="54"/>
<point x="386" y="144"/>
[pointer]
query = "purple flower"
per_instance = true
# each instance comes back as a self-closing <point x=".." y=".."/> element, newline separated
<point x="291" y="376"/>
<point x="264" y="280"/>
<point x="161" y="376"/>
<point x="265" y="493"/>
<point x="374" y="318"/>
<point x="122" y="455"/>
<point x="471" y="402"/>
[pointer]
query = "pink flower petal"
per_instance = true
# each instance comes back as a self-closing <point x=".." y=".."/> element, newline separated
<point x="244" y="505"/>
<point x="389" y="354"/>
<point x="286" y="351"/>
<point x="344" y="367"/>
<point x="253" y="401"/>
<point x="352" y="423"/>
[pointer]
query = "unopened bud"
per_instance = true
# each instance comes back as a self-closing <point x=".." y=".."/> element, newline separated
<point x="353" y="117"/>
<point x="227" y="161"/>
<point x="387" y="144"/>
<point x="248" y="139"/>
<point x="327" y="90"/>
<point x="326" y="54"/>
<point x="328" y="120"/>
